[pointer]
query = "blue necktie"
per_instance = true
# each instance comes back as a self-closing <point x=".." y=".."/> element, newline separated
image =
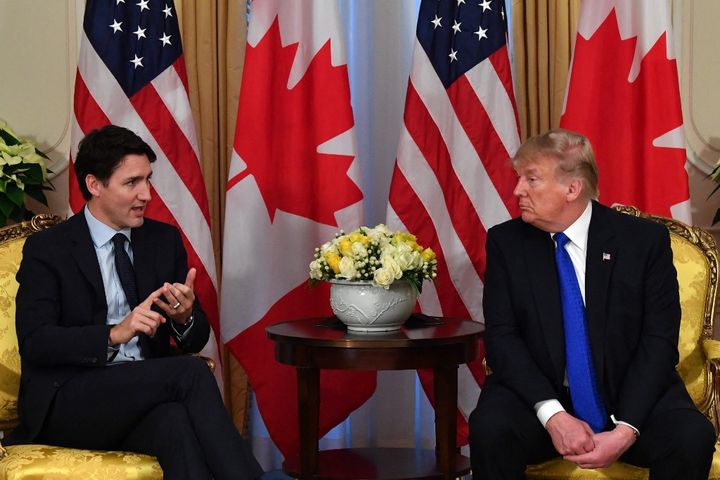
<point x="587" y="403"/>
<point x="125" y="270"/>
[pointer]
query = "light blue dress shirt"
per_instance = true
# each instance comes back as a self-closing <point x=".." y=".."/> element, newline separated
<point x="117" y="305"/>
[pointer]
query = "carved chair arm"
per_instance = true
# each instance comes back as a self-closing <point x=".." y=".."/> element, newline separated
<point x="710" y="404"/>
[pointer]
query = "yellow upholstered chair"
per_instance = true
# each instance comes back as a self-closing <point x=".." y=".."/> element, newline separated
<point x="39" y="462"/>
<point x="695" y="257"/>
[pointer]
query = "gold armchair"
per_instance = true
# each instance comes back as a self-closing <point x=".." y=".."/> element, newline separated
<point x="695" y="257"/>
<point x="21" y="462"/>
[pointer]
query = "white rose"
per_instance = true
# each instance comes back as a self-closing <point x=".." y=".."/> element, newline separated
<point x="383" y="229"/>
<point x="347" y="268"/>
<point x="383" y="277"/>
<point x="408" y="260"/>
<point x="316" y="272"/>
<point x="389" y="263"/>
<point x="328" y="247"/>
<point x="359" y="249"/>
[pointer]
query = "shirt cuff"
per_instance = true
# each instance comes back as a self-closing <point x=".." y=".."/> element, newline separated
<point x="620" y="422"/>
<point x="546" y="409"/>
<point x="185" y="328"/>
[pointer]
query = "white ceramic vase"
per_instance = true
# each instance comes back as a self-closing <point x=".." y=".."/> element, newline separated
<point x="364" y="307"/>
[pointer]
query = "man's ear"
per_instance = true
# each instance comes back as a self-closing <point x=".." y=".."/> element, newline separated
<point x="575" y="189"/>
<point x="93" y="185"/>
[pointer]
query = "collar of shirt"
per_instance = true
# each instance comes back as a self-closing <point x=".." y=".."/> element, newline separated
<point x="100" y="232"/>
<point x="578" y="231"/>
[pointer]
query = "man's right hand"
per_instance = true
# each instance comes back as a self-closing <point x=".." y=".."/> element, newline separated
<point x="140" y="320"/>
<point x="570" y="436"/>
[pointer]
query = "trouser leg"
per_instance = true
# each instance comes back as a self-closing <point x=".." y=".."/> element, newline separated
<point x="101" y="407"/>
<point x="674" y="444"/>
<point x="505" y="436"/>
<point x="166" y="433"/>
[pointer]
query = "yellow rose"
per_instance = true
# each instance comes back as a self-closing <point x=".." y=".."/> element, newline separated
<point x="403" y="237"/>
<point x="359" y="237"/>
<point x="333" y="260"/>
<point x="428" y="255"/>
<point x="345" y="247"/>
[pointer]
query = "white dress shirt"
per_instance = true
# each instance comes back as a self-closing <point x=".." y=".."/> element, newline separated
<point x="577" y="251"/>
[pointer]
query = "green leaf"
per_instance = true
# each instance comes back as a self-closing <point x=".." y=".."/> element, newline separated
<point x="14" y="194"/>
<point x="41" y="153"/>
<point x="33" y="174"/>
<point x="717" y="187"/>
<point x="6" y="206"/>
<point x="716" y="219"/>
<point x="8" y="139"/>
<point x="36" y="192"/>
<point x="18" y="214"/>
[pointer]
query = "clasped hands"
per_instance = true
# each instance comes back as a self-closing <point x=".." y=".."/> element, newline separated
<point x="576" y="442"/>
<point x="175" y="299"/>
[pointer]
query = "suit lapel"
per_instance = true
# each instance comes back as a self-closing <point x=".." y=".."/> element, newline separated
<point x="540" y="259"/>
<point x="601" y="255"/>
<point x="83" y="252"/>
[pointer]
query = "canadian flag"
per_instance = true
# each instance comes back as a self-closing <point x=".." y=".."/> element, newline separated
<point x="293" y="184"/>
<point x="623" y="95"/>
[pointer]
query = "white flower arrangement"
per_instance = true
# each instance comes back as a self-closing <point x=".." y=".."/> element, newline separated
<point x="23" y="171"/>
<point x="378" y="255"/>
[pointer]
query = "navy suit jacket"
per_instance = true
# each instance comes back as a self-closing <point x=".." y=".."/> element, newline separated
<point x="632" y="305"/>
<point x="61" y="309"/>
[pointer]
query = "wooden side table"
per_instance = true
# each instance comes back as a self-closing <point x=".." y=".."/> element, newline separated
<point x="424" y="342"/>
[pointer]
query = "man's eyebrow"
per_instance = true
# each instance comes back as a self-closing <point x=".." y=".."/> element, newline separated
<point x="137" y="177"/>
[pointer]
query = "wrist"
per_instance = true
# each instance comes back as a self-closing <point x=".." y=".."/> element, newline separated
<point x="185" y="322"/>
<point x="628" y="434"/>
<point x="111" y="339"/>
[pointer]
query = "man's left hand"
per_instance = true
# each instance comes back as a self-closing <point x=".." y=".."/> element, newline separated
<point x="179" y="298"/>
<point x="609" y="446"/>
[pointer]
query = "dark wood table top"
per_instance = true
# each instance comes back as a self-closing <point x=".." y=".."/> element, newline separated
<point x="418" y="331"/>
<point x="423" y="342"/>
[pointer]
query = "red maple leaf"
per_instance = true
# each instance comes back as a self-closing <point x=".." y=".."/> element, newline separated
<point x="622" y="119"/>
<point x="279" y="130"/>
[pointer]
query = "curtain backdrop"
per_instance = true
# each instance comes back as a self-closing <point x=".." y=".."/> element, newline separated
<point x="213" y="34"/>
<point x="543" y="37"/>
<point x="379" y="39"/>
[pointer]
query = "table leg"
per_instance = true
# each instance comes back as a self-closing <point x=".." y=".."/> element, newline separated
<point x="308" y="380"/>
<point x="445" y="386"/>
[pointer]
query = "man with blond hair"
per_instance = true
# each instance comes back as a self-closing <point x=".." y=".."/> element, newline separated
<point x="582" y="315"/>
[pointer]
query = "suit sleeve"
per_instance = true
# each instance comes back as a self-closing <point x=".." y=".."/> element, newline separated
<point x="507" y="353"/>
<point x="42" y="338"/>
<point x="199" y="333"/>
<point x="652" y="369"/>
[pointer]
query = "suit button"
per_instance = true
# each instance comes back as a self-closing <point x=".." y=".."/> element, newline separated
<point x="56" y="384"/>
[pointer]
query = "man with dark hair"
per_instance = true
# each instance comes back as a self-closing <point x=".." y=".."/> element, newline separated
<point x="582" y="317"/>
<point x="101" y="298"/>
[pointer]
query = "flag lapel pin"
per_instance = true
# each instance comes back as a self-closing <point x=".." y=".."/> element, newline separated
<point x="606" y="257"/>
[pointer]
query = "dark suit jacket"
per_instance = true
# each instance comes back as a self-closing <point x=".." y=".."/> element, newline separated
<point x="61" y="309"/>
<point x="632" y="305"/>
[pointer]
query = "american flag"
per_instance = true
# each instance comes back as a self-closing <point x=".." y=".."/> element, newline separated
<point x="453" y="179"/>
<point x="131" y="72"/>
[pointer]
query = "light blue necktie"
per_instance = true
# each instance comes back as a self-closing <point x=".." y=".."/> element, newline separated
<point x="586" y="399"/>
